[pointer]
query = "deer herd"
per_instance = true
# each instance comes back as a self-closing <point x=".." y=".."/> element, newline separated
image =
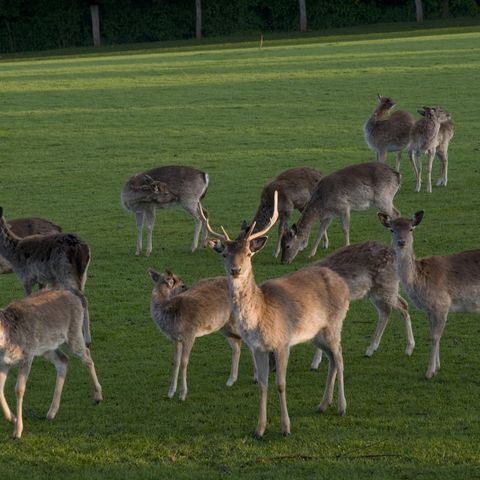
<point x="309" y="304"/>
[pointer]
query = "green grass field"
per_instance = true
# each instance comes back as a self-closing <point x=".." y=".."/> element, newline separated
<point x="74" y="128"/>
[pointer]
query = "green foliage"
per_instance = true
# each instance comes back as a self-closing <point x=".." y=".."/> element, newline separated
<point x="74" y="128"/>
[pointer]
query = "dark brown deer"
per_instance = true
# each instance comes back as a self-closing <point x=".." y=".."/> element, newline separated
<point x="357" y="187"/>
<point x="438" y="284"/>
<point x="164" y="187"/>
<point x="307" y="305"/>
<point x="388" y="132"/>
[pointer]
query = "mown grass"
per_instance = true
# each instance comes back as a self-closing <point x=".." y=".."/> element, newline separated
<point x="72" y="131"/>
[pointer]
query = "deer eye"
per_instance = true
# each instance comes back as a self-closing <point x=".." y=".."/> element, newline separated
<point x="412" y="229"/>
<point x="391" y="229"/>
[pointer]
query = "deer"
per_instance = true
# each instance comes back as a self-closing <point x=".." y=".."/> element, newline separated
<point x="184" y="314"/>
<point x="295" y="187"/>
<point x="61" y="259"/>
<point x="309" y="304"/>
<point x="37" y="326"/>
<point x="370" y="271"/>
<point x="388" y="132"/>
<point x="24" y="227"/>
<point x="433" y="131"/>
<point x="356" y="187"/>
<point x="164" y="187"/>
<point x="437" y="284"/>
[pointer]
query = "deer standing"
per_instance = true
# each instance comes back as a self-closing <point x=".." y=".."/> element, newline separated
<point x="295" y="187"/>
<point x="184" y="314"/>
<point x="164" y="187"/>
<point x="37" y="326"/>
<point x="426" y="136"/>
<point x="438" y="284"/>
<point x="309" y="304"/>
<point x="356" y="187"/>
<point x="388" y="132"/>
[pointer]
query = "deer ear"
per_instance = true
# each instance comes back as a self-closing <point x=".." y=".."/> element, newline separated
<point x="258" y="243"/>
<point x="294" y="228"/>
<point x="244" y="226"/>
<point x="379" y="97"/>
<point x="216" y="246"/>
<point x="154" y="274"/>
<point x="1" y="212"/>
<point x="417" y="218"/>
<point x="384" y="219"/>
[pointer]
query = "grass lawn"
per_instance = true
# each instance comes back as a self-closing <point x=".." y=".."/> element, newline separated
<point x="73" y="129"/>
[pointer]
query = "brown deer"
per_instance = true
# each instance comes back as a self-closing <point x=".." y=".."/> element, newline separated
<point x="60" y="259"/>
<point x="426" y="136"/>
<point x="438" y="284"/>
<point x="24" y="227"/>
<point x="309" y="304"/>
<point x="388" y="132"/>
<point x="356" y="187"/>
<point x="295" y="187"/>
<point x="164" y="187"/>
<point x="184" y="314"/>
<point x="37" y="326"/>
<point x="369" y="270"/>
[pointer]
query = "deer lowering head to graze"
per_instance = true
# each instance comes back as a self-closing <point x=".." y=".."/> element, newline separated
<point x="357" y="187"/>
<point x="24" y="227"/>
<point x="369" y="270"/>
<point x="37" y="326"/>
<point x="184" y="314"/>
<point x="425" y="137"/>
<point x="164" y="187"/>
<point x="388" y="132"/>
<point x="438" y="284"/>
<point x="60" y="259"/>
<point x="295" y="187"/>
<point x="307" y="305"/>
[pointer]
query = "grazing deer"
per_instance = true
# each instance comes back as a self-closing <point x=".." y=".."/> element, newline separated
<point x="369" y="270"/>
<point x="309" y="304"/>
<point x="438" y="284"/>
<point x="388" y="132"/>
<point x="184" y="314"/>
<point x="357" y="187"/>
<point x="163" y="187"/>
<point x="61" y="259"/>
<point x="295" y="187"/>
<point x="24" y="227"/>
<point x="37" y="326"/>
<point x="426" y="136"/>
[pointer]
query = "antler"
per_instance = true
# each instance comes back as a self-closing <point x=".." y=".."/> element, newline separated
<point x="271" y="223"/>
<point x="221" y="236"/>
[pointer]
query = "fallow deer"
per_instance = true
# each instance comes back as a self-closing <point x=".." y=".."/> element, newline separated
<point x="425" y="137"/>
<point x="164" y="187"/>
<point x="24" y="227"/>
<point x="309" y="304"/>
<point x="37" y="326"/>
<point x="388" y="132"/>
<point x="356" y="187"/>
<point x="184" y="314"/>
<point x="438" y="284"/>
<point x="295" y="187"/>
<point x="60" y="259"/>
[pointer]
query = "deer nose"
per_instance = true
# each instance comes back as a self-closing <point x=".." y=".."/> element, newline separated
<point x="235" y="271"/>
<point x="401" y="243"/>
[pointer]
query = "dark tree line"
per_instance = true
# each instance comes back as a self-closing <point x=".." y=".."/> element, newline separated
<point x="48" y="24"/>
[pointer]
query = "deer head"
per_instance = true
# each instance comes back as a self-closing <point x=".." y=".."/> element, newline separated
<point x="435" y="113"/>
<point x="401" y="228"/>
<point x="167" y="284"/>
<point x="292" y="243"/>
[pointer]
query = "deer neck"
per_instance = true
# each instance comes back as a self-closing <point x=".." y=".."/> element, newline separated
<point x="8" y="242"/>
<point x="307" y="219"/>
<point x="406" y="266"/>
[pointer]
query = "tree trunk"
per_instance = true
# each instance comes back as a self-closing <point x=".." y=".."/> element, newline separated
<point x="198" y="21"/>
<point x="419" y="10"/>
<point x="95" y="25"/>
<point x="303" y="15"/>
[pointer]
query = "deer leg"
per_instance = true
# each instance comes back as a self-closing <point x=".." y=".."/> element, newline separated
<point x="332" y="373"/>
<point x="383" y="310"/>
<point x="281" y="360"/>
<point x="443" y="157"/>
<point x="139" y="221"/>
<point x="187" y="348"/>
<point x="431" y="155"/>
<point x="255" y="369"/>
<point x="437" y="324"/>
<point x="60" y="361"/>
<point x="150" y="219"/>
<point x="176" y="368"/>
<point x="417" y="168"/>
<point x="381" y="156"/>
<point x="317" y="358"/>
<point x="3" y="401"/>
<point x="322" y="232"/>
<point x="262" y="362"/>
<point x="22" y="378"/>
<point x="235" y="344"/>
<point x="398" y="159"/>
<point x="345" y="220"/>
<point x="87" y="360"/>
<point x="402" y="306"/>
<point x="342" y="403"/>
